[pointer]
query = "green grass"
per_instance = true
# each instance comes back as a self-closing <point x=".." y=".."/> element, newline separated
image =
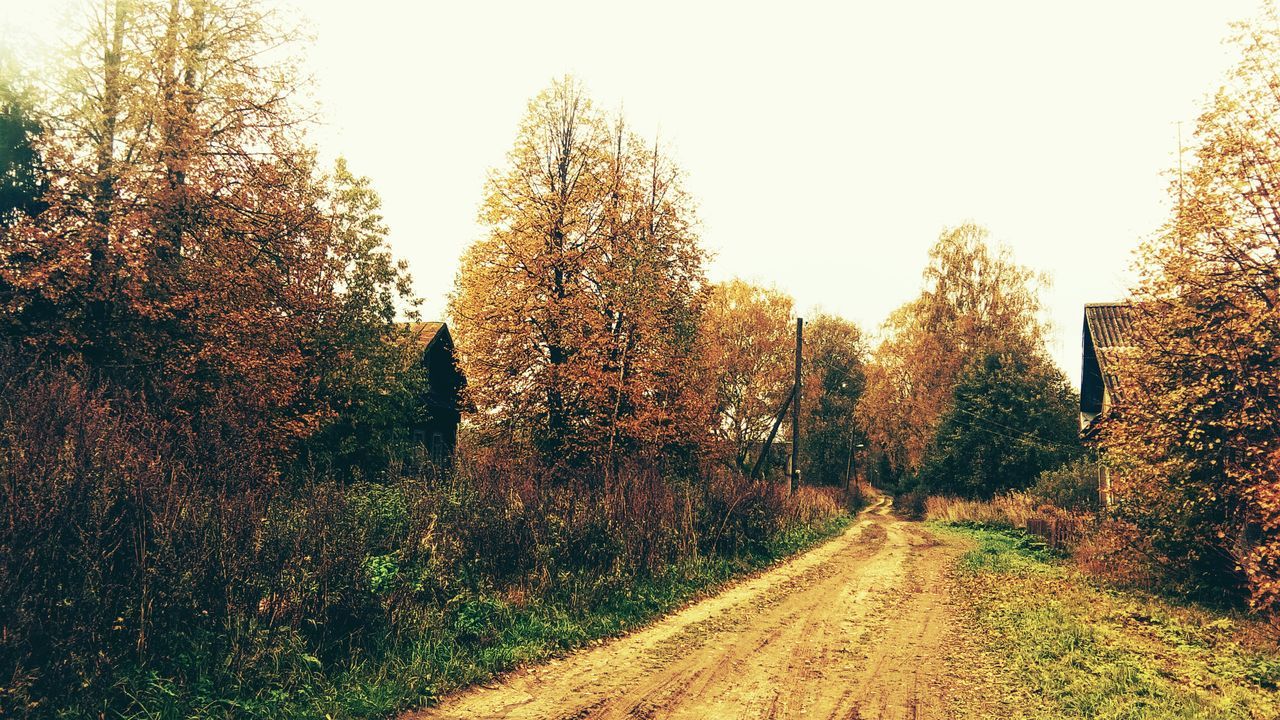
<point x="1089" y="651"/>
<point x="473" y="640"/>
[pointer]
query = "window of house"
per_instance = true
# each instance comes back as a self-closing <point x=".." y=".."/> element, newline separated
<point x="437" y="449"/>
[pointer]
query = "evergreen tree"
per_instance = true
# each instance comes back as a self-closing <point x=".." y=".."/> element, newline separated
<point x="21" y="172"/>
<point x="1012" y="416"/>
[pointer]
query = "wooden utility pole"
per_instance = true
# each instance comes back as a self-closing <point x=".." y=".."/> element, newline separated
<point x="795" y="409"/>
<point x="850" y="470"/>
<point x="848" y="467"/>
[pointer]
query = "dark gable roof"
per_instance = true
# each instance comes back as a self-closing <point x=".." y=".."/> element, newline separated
<point x="1110" y="330"/>
<point x="424" y="334"/>
<point x="1107" y="335"/>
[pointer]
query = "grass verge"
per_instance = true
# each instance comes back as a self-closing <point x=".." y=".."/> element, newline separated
<point x="479" y="637"/>
<point x="1088" y="651"/>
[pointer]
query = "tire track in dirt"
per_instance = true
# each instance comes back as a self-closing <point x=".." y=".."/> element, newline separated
<point x="854" y="629"/>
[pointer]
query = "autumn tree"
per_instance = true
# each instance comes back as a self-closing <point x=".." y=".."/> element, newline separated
<point x="1196" y="443"/>
<point x="192" y="301"/>
<point x="834" y="380"/>
<point x="578" y="312"/>
<point x="751" y="344"/>
<point x="975" y="298"/>
<point x="190" y="250"/>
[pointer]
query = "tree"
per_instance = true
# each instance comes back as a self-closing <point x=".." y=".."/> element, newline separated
<point x="751" y="347"/>
<point x="1195" y="443"/>
<point x="1013" y="415"/>
<point x="194" y="301"/>
<point x="975" y="298"/>
<point x="22" y="181"/>
<point x="578" y="313"/>
<point x="834" y="380"/>
<point x="190" y="251"/>
<point x="369" y="373"/>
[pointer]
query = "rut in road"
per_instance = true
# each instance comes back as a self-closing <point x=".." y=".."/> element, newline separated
<point x="857" y="628"/>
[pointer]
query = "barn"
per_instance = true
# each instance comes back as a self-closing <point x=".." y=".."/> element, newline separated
<point x="1107" y="335"/>
<point x="445" y="400"/>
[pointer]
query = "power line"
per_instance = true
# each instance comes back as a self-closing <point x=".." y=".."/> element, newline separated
<point x="1026" y="438"/>
<point x="1023" y="435"/>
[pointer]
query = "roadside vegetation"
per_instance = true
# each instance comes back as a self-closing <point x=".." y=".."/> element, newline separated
<point x="480" y="631"/>
<point x="216" y="499"/>
<point x="320" y="597"/>
<point x="967" y="420"/>
<point x="1087" y="650"/>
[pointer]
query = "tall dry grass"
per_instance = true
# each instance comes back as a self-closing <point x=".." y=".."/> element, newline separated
<point x="812" y="505"/>
<point x="1009" y="510"/>
<point x="1058" y="528"/>
<point x="132" y="550"/>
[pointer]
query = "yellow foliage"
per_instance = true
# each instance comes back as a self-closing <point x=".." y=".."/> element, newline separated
<point x="1197" y="443"/>
<point x="975" y="298"/>
<point x="577" y="315"/>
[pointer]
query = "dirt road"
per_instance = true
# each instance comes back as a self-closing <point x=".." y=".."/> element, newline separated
<point x="858" y="628"/>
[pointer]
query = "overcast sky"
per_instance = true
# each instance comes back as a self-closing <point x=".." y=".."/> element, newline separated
<point x="828" y="143"/>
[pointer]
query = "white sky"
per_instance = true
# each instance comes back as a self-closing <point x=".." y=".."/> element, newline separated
<point x="827" y="142"/>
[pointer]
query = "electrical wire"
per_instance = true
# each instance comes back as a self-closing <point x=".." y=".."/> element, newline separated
<point x="990" y="425"/>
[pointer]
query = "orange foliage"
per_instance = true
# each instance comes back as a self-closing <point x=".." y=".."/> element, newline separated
<point x="578" y="314"/>
<point x="1197" y="441"/>
<point x="190" y="252"/>
<point x="750" y="355"/>
<point x="975" y="298"/>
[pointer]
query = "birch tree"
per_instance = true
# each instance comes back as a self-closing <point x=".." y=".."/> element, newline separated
<point x="751" y="346"/>
<point x="578" y="312"/>
<point x="975" y="298"/>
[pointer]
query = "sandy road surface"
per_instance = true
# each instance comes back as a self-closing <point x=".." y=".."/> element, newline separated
<point x="857" y="628"/>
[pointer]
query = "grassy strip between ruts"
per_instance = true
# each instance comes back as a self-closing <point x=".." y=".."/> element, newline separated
<point x="1089" y="651"/>
<point x="486" y="636"/>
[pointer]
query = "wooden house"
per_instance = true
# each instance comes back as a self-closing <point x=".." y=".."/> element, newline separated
<point x="1107" y="335"/>
<point x="445" y="400"/>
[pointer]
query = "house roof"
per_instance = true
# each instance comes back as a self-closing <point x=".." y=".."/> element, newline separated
<point x="1110" y="332"/>
<point x="1110" y="324"/>
<point x="424" y="334"/>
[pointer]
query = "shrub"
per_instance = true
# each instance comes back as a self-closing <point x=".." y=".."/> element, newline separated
<point x="813" y="505"/>
<point x="1116" y="552"/>
<point x="911" y="504"/>
<point x="855" y="498"/>
<point x="136" y="568"/>
<point x="1074" y="486"/>
<point x="740" y="517"/>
